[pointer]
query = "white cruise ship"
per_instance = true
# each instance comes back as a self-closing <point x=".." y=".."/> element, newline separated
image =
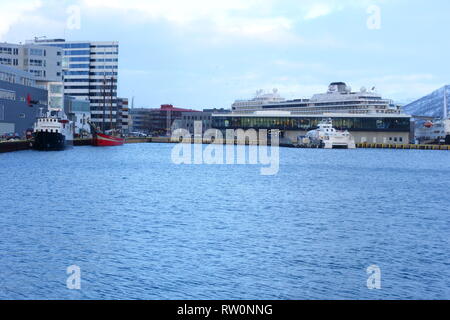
<point x="338" y="99"/>
<point x="261" y="99"/>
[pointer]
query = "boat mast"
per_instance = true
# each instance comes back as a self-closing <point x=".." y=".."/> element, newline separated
<point x="111" y="104"/>
<point x="104" y="103"/>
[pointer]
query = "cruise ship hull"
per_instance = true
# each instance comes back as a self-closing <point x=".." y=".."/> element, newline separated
<point x="50" y="141"/>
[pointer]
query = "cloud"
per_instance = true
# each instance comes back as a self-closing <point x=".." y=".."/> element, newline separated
<point x="318" y="10"/>
<point x="14" y="11"/>
<point x="251" y="19"/>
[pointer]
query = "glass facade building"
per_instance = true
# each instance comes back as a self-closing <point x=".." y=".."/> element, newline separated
<point x="305" y="123"/>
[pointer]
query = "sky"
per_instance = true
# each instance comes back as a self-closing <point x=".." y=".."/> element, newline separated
<point x="207" y="53"/>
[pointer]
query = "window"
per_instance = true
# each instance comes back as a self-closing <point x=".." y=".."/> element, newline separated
<point x="5" y="50"/>
<point x="79" y="66"/>
<point x="37" y="52"/>
<point x="7" y="95"/>
<point x="77" y="53"/>
<point x="5" y="61"/>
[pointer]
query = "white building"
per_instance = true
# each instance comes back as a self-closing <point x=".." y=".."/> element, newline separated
<point x="44" y="62"/>
<point x="90" y="72"/>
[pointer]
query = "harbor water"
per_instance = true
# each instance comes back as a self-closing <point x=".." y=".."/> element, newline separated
<point x="141" y="227"/>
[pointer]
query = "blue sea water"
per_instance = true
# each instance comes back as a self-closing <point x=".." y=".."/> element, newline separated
<point x="141" y="227"/>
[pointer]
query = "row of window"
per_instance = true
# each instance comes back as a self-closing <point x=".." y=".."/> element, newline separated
<point x="9" y="61"/>
<point x="87" y="73"/>
<point x="104" y="67"/>
<point x="105" y="60"/>
<point x="70" y="45"/>
<point x="37" y="63"/>
<point x="197" y="117"/>
<point x="6" y="50"/>
<point x="357" y="124"/>
<point x="107" y="86"/>
<point x="38" y="52"/>
<point x="12" y="78"/>
<point x="7" y="95"/>
<point x="87" y="80"/>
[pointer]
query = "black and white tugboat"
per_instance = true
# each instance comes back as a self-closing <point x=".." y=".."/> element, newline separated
<point x="53" y="131"/>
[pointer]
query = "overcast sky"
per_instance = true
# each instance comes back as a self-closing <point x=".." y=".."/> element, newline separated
<point x="207" y="53"/>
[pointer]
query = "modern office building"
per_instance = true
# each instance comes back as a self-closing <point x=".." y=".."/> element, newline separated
<point x="21" y="101"/>
<point x="90" y="71"/>
<point x="44" y="62"/>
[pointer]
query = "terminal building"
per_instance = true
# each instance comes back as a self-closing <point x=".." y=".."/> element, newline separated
<point x="365" y="114"/>
<point x="21" y="101"/>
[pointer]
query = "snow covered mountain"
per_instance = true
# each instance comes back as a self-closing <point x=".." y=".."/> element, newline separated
<point x="431" y="105"/>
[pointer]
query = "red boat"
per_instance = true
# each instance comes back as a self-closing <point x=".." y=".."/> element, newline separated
<point x="99" y="137"/>
<point x="104" y="140"/>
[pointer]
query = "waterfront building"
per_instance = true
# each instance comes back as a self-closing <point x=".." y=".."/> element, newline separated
<point x="370" y="128"/>
<point x="21" y="100"/>
<point x="44" y="62"/>
<point x="339" y="98"/>
<point x="192" y="120"/>
<point x="123" y="115"/>
<point x="79" y="112"/>
<point x="157" y="121"/>
<point x="90" y="71"/>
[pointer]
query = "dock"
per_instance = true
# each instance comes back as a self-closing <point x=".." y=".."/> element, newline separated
<point x="11" y="146"/>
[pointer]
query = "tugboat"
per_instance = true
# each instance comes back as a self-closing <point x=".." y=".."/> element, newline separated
<point x="328" y="137"/>
<point x="53" y="132"/>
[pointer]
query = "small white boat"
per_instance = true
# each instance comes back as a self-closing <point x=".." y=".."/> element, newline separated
<point x="327" y="137"/>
